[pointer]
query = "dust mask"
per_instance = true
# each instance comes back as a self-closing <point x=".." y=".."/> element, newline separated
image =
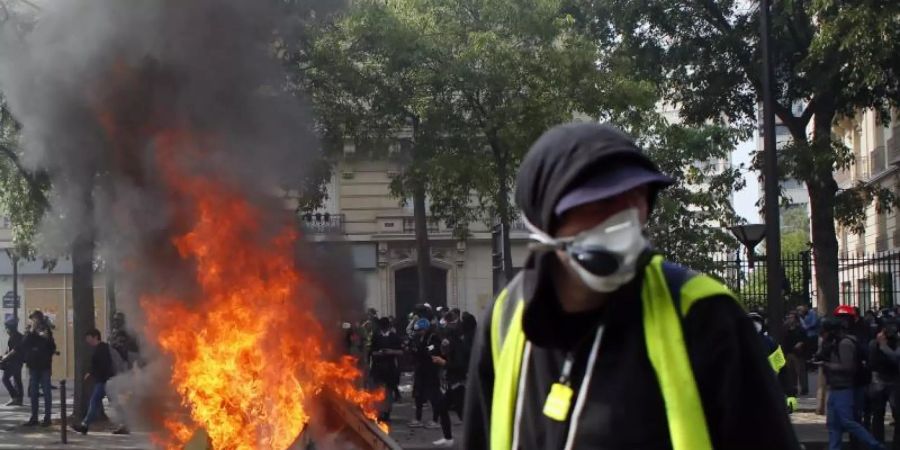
<point x="604" y="257"/>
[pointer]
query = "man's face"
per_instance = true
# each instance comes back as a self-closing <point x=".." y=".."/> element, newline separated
<point x="91" y="340"/>
<point x="590" y="215"/>
<point x="801" y="310"/>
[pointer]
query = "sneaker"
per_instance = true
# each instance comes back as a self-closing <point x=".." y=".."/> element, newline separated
<point x="445" y="443"/>
<point x="121" y="430"/>
<point x="432" y="425"/>
<point x="414" y="424"/>
<point x="13" y="402"/>
<point x="80" y="428"/>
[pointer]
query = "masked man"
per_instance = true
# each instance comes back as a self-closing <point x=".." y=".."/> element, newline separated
<point x="599" y="342"/>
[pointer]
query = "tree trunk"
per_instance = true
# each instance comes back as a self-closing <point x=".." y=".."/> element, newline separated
<point x="822" y="192"/>
<point x="83" y="311"/>
<point x="423" y="250"/>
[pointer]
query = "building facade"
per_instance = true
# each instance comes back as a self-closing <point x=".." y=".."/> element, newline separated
<point x="361" y="213"/>
<point x="870" y="261"/>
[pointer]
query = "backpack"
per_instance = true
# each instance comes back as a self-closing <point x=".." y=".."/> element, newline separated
<point x="119" y="363"/>
<point x="863" y="372"/>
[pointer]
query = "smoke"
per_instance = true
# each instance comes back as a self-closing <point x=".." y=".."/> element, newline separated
<point x="94" y="84"/>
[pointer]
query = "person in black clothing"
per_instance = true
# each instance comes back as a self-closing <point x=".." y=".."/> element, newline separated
<point x="12" y="368"/>
<point x="101" y="371"/>
<point x="839" y="355"/>
<point x="456" y="348"/>
<point x="426" y="377"/>
<point x="386" y="348"/>
<point x="586" y="378"/>
<point x="794" y="347"/>
<point x="884" y="360"/>
<point x="38" y="348"/>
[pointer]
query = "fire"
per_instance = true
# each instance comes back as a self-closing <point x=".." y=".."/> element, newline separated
<point x="248" y="352"/>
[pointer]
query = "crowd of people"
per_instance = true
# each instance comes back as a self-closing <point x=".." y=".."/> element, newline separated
<point x="432" y="343"/>
<point x="859" y="355"/>
<point x="35" y="350"/>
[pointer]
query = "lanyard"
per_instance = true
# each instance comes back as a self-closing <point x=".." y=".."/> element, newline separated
<point x="559" y="400"/>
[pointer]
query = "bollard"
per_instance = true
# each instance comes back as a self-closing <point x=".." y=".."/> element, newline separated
<point x="63" y="414"/>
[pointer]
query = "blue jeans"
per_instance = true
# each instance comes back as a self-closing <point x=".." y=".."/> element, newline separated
<point x="96" y="403"/>
<point x="39" y="382"/>
<point x="840" y="419"/>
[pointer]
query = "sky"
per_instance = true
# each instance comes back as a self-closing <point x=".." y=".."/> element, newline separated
<point x="745" y="199"/>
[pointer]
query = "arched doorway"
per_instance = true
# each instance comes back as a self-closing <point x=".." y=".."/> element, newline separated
<point x="406" y="289"/>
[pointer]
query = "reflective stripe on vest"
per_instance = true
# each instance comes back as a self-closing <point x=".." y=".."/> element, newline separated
<point x="776" y="359"/>
<point x="666" y="350"/>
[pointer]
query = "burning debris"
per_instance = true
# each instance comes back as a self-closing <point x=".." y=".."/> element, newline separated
<point x="158" y="125"/>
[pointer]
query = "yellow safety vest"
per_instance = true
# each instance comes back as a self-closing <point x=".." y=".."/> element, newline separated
<point x="665" y="347"/>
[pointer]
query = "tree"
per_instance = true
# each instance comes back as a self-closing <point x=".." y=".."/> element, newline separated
<point x="831" y="59"/>
<point x="369" y="80"/>
<point x="691" y="218"/>
<point x="23" y="192"/>
<point x="484" y="79"/>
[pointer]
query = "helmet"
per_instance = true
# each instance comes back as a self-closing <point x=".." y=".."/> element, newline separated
<point x="845" y="310"/>
<point x="422" y="324"/>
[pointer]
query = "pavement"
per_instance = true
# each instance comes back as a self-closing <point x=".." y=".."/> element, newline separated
<point x="15" y="436"/>
<point x="809" y="426"/>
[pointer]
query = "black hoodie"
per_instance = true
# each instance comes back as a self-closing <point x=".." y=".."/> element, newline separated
<point x="624" y="407"/>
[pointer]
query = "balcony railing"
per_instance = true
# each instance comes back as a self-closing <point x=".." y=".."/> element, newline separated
<point x="322" y="223"/>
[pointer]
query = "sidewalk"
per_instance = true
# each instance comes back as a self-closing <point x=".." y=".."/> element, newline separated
<point x="15" y="436"/>
<point x="810" y="427"/>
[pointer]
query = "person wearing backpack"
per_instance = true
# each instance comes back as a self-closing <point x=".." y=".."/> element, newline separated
<point x="840" y="356"/>
<point x="102" y="370"/>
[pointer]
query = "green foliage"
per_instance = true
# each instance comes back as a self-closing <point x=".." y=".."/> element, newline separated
<point x="23" y="193"/>
<point x="691" y="219"/>
<point x="832" y="58"/>
<point x="480" y="79"/>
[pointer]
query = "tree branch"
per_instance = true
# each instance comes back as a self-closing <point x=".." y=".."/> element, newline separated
<point x="33" y="179"/>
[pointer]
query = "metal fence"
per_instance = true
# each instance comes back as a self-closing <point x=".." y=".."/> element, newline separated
<point x="866" y="281"/>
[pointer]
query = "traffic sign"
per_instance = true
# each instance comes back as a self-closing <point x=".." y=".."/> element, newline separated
<point x="11" y="301"/>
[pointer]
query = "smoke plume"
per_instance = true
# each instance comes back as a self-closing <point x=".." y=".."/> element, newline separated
<point x="96" y="84"/>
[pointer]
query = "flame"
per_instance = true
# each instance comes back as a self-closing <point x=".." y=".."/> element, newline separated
<point x="248" y="352"/>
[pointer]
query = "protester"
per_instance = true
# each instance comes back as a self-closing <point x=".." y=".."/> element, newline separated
<point x="38" y="348"/>
<point x="679" y="365"/>
<point x="840" y="357"/>
<point x="455" y="352"/>
<point x="794" y="343"/>
<point x="101" y="371"/>
<point x="884" y="360"/>
<point x="12" y="367"/>
<point x="809" y="320"/>
<point x="386" y="348"/>
<point x="777" y="360"/>
<point x="426" y="381"/>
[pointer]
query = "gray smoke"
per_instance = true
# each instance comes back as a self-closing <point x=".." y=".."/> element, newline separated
<point x="93" y="82"/>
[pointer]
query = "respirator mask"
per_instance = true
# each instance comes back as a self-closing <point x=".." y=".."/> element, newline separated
<point x="604" y="257"/>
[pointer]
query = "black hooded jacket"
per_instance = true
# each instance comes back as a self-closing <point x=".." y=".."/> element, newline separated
<point x="624" y="407"/>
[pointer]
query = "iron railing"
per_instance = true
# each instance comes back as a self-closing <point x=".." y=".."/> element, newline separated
<point x="869" y="281"/>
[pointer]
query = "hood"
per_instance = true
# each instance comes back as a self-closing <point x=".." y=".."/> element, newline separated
<point x="565" y="156"/>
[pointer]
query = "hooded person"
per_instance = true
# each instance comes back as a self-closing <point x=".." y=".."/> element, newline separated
<point x="600" y="342"/>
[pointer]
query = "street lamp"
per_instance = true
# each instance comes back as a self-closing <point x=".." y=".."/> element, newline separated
<point x="749" y="235"/>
